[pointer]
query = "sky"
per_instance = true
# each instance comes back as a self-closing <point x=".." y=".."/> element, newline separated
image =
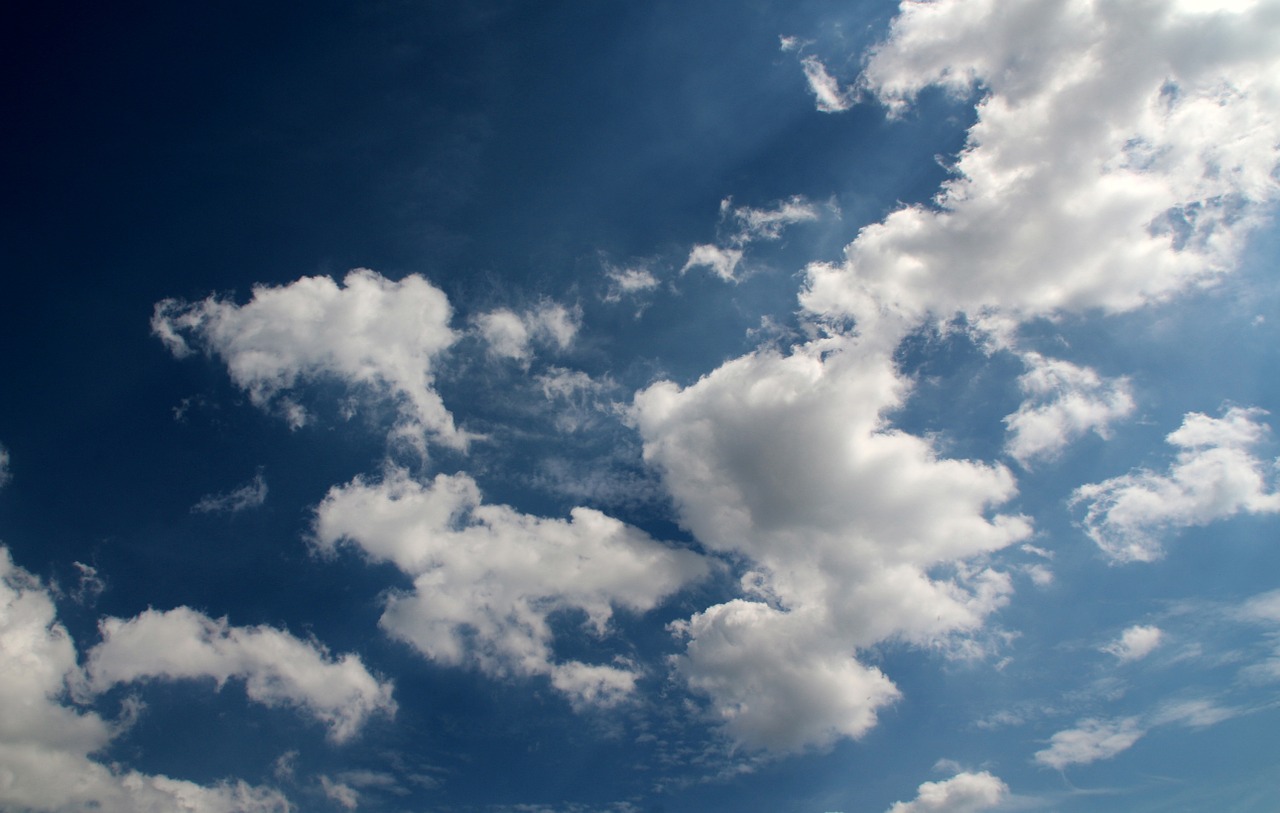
<point x="513" y="407"/>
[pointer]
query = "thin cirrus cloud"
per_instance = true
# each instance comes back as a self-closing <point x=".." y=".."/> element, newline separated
<point x="1214" y="475"/>
<point x="242" y="498"/>
<point x="749" y="225"/>
<point x="48" y="747"/>
<point x="370" y="333"/>
<point x="487" y="577"/>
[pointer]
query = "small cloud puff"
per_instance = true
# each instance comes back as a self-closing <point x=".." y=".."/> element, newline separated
<point x="250" y="495"/>
<point x="1090" y="741"/>
<point x="963" y="793"/>
<point x="510" y="335"/>
<point x="1135" y="643"/>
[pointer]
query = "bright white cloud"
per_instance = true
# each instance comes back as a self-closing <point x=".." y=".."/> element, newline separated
<point x="628" y="281"/>
<point x="250" y="495"/>
<point x="723" y="262"/>
<point x="277" y="668"/>
<point x="965" y="792"/>
<point x="1064" y="401"/>
<point x="486" y="577"/>
<point x="829" y="97"/>
<point x="1135" y="643"/>
<point x="1214" y="475"/>
<point x="857" y="533"/>
<point x="370" y="333"/>
<point x="46" y="745"/>
<point x="511" y="335"/>
<point x="768" y="224"/>
<point x="1090" y="741"/>
<point x="1122" y="153"/>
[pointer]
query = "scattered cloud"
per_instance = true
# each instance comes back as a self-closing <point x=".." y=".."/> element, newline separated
<point x="767" y="224"/>
<point x="1214" y="476"/>
<point x="512" y="335"/>
<point x="1064" y="401"/>
<point x="628" y="281"/>
<point x="250" y="495"/>
<point x="963" y="793"/>
<point x="849" y="525"/>
<point x="277" y="668"/>
<point x="89" y="585"/>
<point x="5" y="475"/>
<point x="370" y="333"/>
<point x="1121" y="154"/>
<point x="47" y="746"/>
<point x="341" y="794"/>
<point x="1135" y="643"/>
<point x="487" y="577"/>
<point x="1090" y="741"/>
<point x="829" y="97"/>
<point x="723" y="262"/>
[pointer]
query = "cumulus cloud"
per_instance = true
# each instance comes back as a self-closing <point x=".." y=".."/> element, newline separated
<point x="277" y="668"/>
<point x="250" y="495"/>
<point x="1064" y="401"/>
<point x="487" y="578"/>
<point x="828" y="96"/>
<point x="965" y="792"/>
<point x="1135" y="643"/>
<point x="1090" y="741"/>
<point x="512" y="335"/>
<point x="47" y="745"/>
<point x="857" y="533"/>
<point x="1214" y="475"/>
<point x="1122" y="152"/>
<point x="370" y="333"/>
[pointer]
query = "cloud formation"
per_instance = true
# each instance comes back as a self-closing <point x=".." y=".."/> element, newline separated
<point x="250" y="495"/>
<point x="47" y="745"/>
<point x="277" y="668"/>
<point x="1135" y="643"/>
<point x="828" y="96"/>
<point x="965" y="792"/>
<point x="1122" y="152"/>
<point x="1214" y="476"/>
<point x="511" y="335"/>
<point x="855" y="532"/>
<point x="1090" y="741"/>
<point x="1063" y="402"/>
<point x="372" y="334"/>
<point x="487" y="577"/>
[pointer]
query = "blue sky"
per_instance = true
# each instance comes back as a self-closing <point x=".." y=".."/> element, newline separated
<point x="613" y="407"/>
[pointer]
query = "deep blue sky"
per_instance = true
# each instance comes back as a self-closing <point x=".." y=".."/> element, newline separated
<point x="516" y="155"/>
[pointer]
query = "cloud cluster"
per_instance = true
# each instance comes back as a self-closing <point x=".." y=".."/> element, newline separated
<point x="47" y="744"/>
<point x="1064" y="401"/>
<point x="856" y="533"/>
<point x="277" y="668"/>
<point x="1214" y="475"/>
<point x="512" y="335"/>
<point x="1122" y="152"/>
<point x="487" y="578"/>
<point x="374" y="335"/>
<point x="965" y="792"/>
<point x="749" y="225"/>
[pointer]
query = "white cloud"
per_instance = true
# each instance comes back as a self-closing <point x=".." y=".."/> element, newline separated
<point x="1135" y="643"/>
<point x="768" y="224"/>
<point x="486" y="577"/>
<point x="341" y="794"/>
<point x="46" y="745"/>
<point x="857" y="533"/>
<point x="963" y="793"/>
<point x="1063" y="402"/>
<point x="1214" y="476"/>
<point x="1090" y="741"/>
<point x="371" y="334"/>
<point x="579" y="398"/>
<point x="511" y="335"/>
<point x="827" y="93"/>
<point x="723" y="262"/>
<point x="1121" y="154"/>
<point x="277" y="668"/>
<point x="628" y="281"/>
<point x="250" y="495"/>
